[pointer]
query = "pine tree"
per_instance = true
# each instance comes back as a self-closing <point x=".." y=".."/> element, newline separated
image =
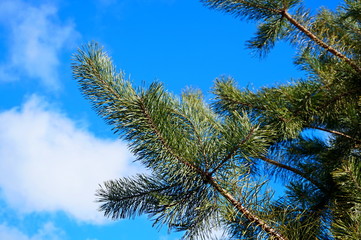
<point x="206" y="160"/>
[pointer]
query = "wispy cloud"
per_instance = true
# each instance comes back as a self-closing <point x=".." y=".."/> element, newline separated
<point x="50" y="164"/>
<point x="47" y="232"/>
<point x="35" y="38"/>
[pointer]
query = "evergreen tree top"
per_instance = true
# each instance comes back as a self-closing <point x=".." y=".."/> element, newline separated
<point x="209" y="164"/>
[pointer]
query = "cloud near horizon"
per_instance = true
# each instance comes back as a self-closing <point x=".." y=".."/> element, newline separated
<point x="51" y="164"/>
<point x="35" y="37"/>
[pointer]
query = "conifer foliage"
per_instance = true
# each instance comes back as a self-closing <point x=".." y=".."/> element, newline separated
<point x="208" y="163"/>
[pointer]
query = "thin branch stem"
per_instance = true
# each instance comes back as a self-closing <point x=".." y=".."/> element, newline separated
<point x="233" y="151"/>
<point x="251" y="217"/>
<point x="303" y="29"/>
<point x="294" y="170"/>
<point x="336" y="132"/>
<point x="318" y="41"/>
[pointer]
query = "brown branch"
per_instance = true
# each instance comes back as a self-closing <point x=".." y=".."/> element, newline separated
<point x="251" y="217"/>
<point x="303" y="29"/>
<point x="336" y="132"/>
<point x="318" y="41"/>
<point x="295" y="171"/>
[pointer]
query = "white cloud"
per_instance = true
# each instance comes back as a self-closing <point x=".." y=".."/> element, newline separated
<point x="35" y="38"/>
<point x="47" y="232"/>
<point x="50" y="164"/>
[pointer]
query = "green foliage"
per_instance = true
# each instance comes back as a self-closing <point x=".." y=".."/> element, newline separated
<point x="209" y="164"/>
<point x="347" y="208"/>
<point x="182" y="141"/>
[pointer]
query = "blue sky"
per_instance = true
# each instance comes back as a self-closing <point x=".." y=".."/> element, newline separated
<point x="54" y="150"/>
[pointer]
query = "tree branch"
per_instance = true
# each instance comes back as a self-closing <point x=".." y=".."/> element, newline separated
<point x="251" y="217"/>
<point x="102" y="193"/>
<point x="232" y="152"/>
<point x="259" y="6"/>
<point x="164" y="143"/>
<point x="209" y="179"/>
<point x="318" y="41"/>
<point x="336" y="132"/>
<point x="295" y="171"/>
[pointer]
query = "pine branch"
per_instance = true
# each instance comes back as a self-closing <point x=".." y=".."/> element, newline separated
<point x="246" y="8"/>
<point x="164" y="142"/>
<point x="295" y="171"/>
<point x="233" y="98"/>
<point x="318" y="41"/>
<point x="128" y="197"/>
<point x="209" y="179"/>
<point x="336" y="133"/>
<point x="108" y="97"/>
<point x="269" y="9"/>
<point x="250" y="216"/>
<point x="233" y="151"/>
<point x="338" y="97"/>
<point x="347" y="207"/>
<point x="198" y="157"/>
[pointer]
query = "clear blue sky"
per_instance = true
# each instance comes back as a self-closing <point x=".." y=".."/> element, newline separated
<point x="54" y="150"/>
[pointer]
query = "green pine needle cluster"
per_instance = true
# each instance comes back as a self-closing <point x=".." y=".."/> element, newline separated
<point x="210" y="164"/>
